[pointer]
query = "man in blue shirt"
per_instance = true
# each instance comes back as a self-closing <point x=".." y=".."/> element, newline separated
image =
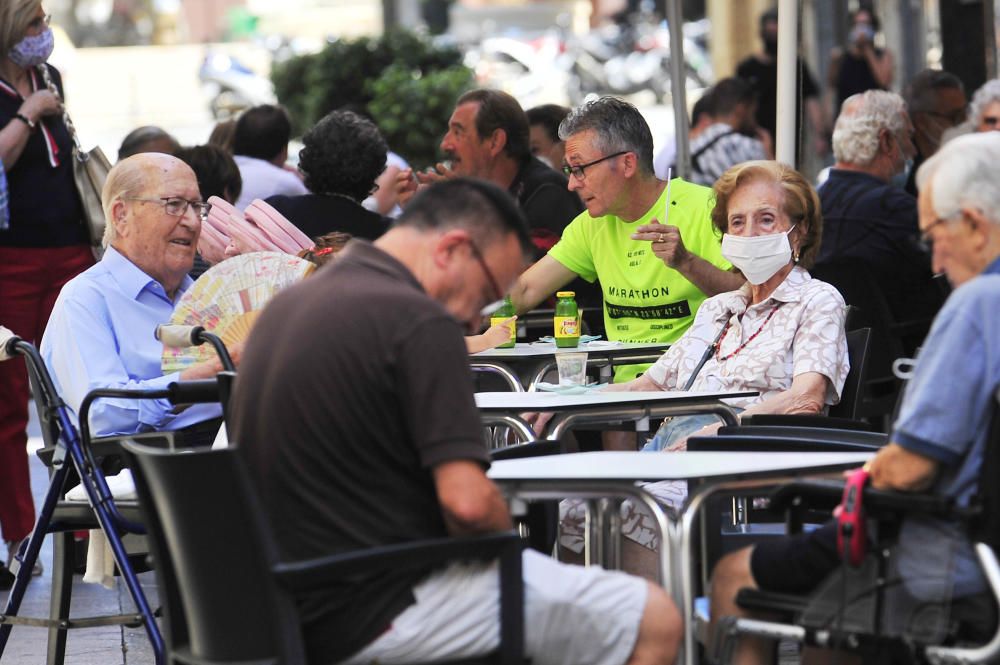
<point x="937" y="443"/>
<point x="101" y="331"/>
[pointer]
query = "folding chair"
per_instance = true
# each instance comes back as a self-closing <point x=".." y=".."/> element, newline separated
<point x="227" y="598"/>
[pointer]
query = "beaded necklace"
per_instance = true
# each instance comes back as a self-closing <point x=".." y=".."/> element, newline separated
<point x="725" y="331"/>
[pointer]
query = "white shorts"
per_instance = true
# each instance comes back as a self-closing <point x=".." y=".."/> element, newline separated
<point x="573" y="616"/>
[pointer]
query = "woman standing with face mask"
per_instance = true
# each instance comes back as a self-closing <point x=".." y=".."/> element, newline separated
<point x="45" y="243"/>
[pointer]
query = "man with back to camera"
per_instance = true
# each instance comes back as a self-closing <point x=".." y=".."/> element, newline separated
<point x="392" y="399"/>
<point x="701" y="119"/>
<point x="938" y="440"/>
<point x="260" y="148"/>
<point x="731" y="137"/>
<point x="868" y="218"/>
<point x="656" y="266"/>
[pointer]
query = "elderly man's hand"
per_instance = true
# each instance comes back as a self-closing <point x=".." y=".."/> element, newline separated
<point x="666" y="243"/>
<point x="209" y="368"/>
<point x="235" y="353"/>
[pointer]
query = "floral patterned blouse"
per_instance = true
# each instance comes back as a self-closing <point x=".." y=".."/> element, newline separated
<point x="798" y="329"/>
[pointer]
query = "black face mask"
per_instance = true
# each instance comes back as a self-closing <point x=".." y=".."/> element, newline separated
<point x="771" y="46"/>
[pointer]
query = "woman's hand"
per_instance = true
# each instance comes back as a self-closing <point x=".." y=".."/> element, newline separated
<point x="682" y="445"/>
<point x="39" y="104"/>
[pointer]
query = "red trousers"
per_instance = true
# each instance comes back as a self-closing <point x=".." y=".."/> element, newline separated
<point x="30" y="280"/>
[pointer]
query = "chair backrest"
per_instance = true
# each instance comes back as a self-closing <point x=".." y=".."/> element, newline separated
<point x="214" y="553"/>
<point x="858" y="349"/>
<point x="860" y="288"/>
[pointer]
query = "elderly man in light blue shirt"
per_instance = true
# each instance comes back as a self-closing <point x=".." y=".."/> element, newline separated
<point x="101" y="331"/>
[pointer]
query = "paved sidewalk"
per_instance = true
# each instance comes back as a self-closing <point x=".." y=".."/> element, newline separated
<point x="109" y="645"/>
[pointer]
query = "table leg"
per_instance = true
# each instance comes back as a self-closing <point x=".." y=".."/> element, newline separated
<point x="683" y="544"/>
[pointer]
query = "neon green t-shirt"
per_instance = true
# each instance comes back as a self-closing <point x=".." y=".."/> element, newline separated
<point x="644" y="300"/>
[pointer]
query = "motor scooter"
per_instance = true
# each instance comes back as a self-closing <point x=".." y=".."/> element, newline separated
<point x="230" y="86"/>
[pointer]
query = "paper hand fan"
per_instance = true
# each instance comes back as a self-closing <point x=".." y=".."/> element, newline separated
<point x="227" y="299"/>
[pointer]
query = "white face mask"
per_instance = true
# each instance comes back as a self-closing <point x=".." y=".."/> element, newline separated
<point x="758" y="257"/>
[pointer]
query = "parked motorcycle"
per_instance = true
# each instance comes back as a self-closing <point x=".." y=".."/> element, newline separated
<point x="231" y="87"/>
<point x="630" y="57"/>
<point x="621" y="59"/>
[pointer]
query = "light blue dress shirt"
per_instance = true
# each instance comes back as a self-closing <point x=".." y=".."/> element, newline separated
<point x="101" y="335"/>
<point x="945" y="416"/>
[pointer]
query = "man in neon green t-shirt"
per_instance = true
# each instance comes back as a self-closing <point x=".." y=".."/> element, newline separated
<point x="656" y="265"/>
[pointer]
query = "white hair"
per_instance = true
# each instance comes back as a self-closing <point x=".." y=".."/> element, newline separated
<point x="963" y="173"/>
<point x="862" y="117"/>
<point x="986" y="95"/>
<point x="133" y="176"/>
<point x="126" y="178"/>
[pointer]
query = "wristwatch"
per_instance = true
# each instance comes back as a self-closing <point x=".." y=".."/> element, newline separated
<point x="26" y="120"/>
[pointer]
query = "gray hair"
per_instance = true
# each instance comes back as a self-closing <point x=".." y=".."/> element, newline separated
<point x="862" y="117"/>
<point x="618" y="125"/>
<point x="988" y="93"/>
<point x="963" y="174"/>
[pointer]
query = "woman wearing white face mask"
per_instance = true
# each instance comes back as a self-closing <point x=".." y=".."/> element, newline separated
<point x="45" y="243"/>
<point x="781" y="334"/>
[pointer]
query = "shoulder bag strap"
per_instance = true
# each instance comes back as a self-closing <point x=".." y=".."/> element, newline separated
<point x="50" y="84"/>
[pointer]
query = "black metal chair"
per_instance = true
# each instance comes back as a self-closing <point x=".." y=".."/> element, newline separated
<point x="849" y="610"/>
<point x="891" y="338"/>
<point x="229" y="600"/>
<point x="846" y="413"/>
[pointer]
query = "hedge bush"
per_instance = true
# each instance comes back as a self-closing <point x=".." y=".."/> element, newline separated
<point x="405" y="82"/>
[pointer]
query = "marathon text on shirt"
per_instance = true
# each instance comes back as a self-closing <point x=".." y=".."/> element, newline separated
<point x="676" y="310"/>
<point x="637" y="294"/>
